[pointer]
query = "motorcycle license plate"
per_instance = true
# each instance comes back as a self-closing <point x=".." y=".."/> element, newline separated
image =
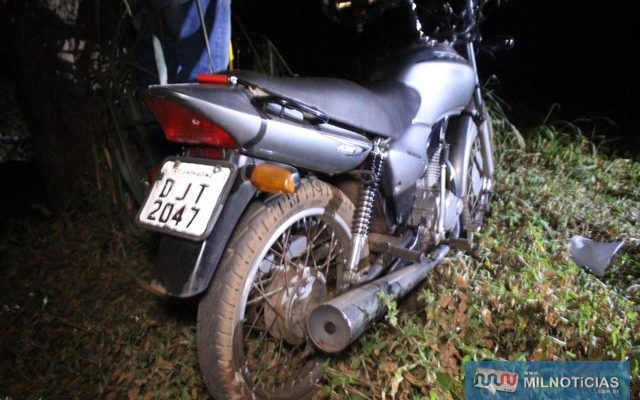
<point x="187" y="197"/>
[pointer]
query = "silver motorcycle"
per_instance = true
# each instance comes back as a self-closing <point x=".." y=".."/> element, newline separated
<point x="298" y="201"/>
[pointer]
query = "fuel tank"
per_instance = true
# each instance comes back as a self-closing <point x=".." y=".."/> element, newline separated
<point x="284" y="138"/>
<point x="444" y="79"/>
<point x="445" y="82"/>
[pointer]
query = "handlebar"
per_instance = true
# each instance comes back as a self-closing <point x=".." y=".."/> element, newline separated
<point x="457" y="28"/>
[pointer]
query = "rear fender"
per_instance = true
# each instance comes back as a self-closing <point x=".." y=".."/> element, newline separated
<point x="184" y="268"/>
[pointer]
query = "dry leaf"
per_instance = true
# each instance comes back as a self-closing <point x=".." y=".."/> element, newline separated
<point x="413" y="380"/>
<point x="486" y="317"/>
<point x="506" y="325"/>
<point x="147" y="344"/>
<point x="132" y="394"/>
<point x="446" y="300"/>
<point x="126" y="377"/>
<point x="390" y="367"/>
<point x="463" y="297"/>
<point x="485" y="288"/>
<point x="461" y="281"/>
<point x="164" y="364"/>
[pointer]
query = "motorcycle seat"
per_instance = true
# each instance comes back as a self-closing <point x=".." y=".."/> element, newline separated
<point x="385" y="109"/>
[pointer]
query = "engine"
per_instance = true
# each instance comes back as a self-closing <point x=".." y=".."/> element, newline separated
<point x="436" y="209"/>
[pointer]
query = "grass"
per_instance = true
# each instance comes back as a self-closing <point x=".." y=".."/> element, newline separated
<point x="76" y="323"/>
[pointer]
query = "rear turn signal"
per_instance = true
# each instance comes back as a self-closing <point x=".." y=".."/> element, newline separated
<point x="273" y="179"/>
<point x="183" y="125"/>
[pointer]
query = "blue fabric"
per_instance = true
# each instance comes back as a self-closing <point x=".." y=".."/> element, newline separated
<point x="186" y="43"/>
<point x="177" y="24"/>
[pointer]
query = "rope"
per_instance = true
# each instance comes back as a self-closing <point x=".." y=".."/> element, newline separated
<point x="205" y="35"/>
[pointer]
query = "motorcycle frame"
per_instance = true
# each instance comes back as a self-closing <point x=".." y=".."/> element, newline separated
<point x="185" y="268"/>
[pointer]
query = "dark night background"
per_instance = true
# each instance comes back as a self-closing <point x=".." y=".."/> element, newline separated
<point x="576" y="54"/>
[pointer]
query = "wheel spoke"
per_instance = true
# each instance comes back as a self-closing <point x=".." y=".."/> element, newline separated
<point x="283" y="243"/>
<point x="329" y="255"/>
<point x="266" y="299"/>
<point x="265" y="344"/>
<point x="263" y="336"/>
<point x="266" y="295"/>
<point x="478" y="164"/>
<point x="315" y="243"/>
<point x="319" y="231"/>
<point x="255" y="320"/>
<point x="288" y="262"/>
<point x="474" y="198"/>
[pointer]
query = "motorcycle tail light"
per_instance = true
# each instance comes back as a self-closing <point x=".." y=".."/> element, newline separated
<point x="183" y="125"/>
<point x="213" y="79"/>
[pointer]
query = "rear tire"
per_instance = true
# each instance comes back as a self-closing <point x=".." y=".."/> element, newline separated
<point x="251" y="289"/>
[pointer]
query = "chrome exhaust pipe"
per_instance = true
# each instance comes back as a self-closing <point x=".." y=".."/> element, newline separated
<point x="336" y="323"/>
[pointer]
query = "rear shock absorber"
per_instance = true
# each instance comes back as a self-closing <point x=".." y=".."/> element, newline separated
<point x="366" y="201"/>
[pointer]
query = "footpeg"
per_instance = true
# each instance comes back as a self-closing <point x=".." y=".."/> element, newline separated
<point x="461" y="244"/>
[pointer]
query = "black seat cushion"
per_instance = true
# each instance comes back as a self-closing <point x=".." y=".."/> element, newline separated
<point x="384" y="109"/>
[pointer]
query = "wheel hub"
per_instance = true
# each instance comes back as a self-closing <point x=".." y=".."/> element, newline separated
<point x="287" y="312"/>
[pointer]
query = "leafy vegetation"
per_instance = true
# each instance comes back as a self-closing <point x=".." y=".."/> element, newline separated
<point x="78" y="324"/>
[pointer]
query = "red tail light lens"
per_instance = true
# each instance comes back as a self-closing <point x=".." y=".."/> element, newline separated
<point x="183" y="125"/>
<point x="214" y="79"/>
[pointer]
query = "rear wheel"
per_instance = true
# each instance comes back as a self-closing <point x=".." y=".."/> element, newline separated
<point x="284" y="258"/>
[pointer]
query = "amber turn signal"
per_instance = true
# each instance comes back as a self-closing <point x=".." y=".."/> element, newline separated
<point x="273" y="179"/>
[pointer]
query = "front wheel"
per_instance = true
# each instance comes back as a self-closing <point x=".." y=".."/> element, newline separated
<point x="479" y="185"/>
<point x="285" y="257"/>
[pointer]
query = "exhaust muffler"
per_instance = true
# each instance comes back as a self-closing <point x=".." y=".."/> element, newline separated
<point x="336" y="323"/>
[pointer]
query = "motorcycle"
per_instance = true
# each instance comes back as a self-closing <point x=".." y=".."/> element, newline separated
<point x="298" y="201"/>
